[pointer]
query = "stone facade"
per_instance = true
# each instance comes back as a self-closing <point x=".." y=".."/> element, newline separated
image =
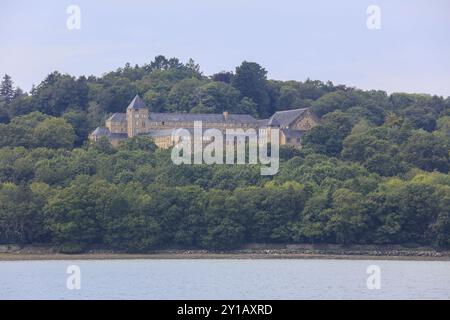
<point x="138" y="120"/>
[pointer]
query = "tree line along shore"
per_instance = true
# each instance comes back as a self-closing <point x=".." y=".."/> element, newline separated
<point x="374" y="172"/>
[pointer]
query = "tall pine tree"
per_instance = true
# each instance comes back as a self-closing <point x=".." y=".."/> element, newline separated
<point x="6" y="89"/>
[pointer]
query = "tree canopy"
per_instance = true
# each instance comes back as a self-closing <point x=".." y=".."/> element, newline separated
<point x="375" y="171"/>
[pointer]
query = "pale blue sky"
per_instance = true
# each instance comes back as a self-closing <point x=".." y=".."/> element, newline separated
<point x="292" y="39"/>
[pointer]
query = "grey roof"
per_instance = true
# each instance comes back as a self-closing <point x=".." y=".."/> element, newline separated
<point x="136" y="103"/>
<point x="292" y="133"/>
<point x="118" y="117"/>
<point x="190" y="132"/>
<point x="160" y="133"/>
<point x="273" y="122"/>
<point x="204" y="117"/>
<point x="263" y="122"/>
<point x="169" y="132"/>
<point x="285" y="118"/>
<point x="118" y="136"/>
<point x="101" y="132"/>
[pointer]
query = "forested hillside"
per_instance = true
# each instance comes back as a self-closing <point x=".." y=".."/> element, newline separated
<point x="376" y="171"/>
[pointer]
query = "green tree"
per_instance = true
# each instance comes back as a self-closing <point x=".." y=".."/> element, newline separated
<point x="21" y="213"/>
<point x="223" y="76"/>
<point x="427" y="151"/>
<point x="218" y="97"/>
<point x="78" y="120"/>
<point x="328" y="137"/>
<point x="349" y="221"/>
<point x="224" y="236"/>
<point x="72" y="216"/>
<point x="7" y="89"/>
<point x="58" y="92"/>
<point x="251" y="80"/>
<point x="184" y="95"/>
<point x="54" y="133"/>
<point x="333" y="101"/>
<point x="441" y="227"/>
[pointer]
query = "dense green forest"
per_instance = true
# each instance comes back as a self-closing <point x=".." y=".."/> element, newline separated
<point x="376" y="171"/>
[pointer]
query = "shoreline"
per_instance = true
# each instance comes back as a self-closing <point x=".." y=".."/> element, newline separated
<point x="213" y="256"/>
<point x="92" y="257"/>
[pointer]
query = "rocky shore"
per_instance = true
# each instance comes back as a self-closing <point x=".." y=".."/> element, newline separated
<point x="254" y="251"/>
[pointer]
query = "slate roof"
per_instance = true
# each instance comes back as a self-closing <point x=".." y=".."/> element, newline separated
<point x="280" y="118"/>
<point x="168" y="132"/>
<point x="285" y="118"/>
<point x="104" y="132"/>
<point x="136" y="103"/>
<point x="101" y="132"/>
<point x="118" y="136"/>
<point x="273" y="122"/>
<point x="190" y="117"/>
<point x="204" y="117"/>
<point x="118" y="117"/>
<point x="160" y="133"/>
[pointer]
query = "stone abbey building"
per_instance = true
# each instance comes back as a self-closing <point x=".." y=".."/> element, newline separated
<point x="138" y="120"/>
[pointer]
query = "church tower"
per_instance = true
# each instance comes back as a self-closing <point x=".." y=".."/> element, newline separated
<point x="137" y="117"/>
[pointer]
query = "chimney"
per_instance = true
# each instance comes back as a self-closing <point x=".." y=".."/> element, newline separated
<point x="225" y="115"/>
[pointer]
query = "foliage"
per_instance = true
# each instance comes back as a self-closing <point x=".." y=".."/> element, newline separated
<point x="375" y="171"/>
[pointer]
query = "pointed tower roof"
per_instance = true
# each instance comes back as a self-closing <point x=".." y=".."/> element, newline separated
<point x="136" y="103"/>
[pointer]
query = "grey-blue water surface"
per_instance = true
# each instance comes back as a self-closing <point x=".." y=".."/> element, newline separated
<point x="225" y="279"/>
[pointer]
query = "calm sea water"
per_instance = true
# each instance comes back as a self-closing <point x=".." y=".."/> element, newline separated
<point x="225" y="279"/>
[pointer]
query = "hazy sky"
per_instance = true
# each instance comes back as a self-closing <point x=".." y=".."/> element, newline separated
<point x="324" y="40"/>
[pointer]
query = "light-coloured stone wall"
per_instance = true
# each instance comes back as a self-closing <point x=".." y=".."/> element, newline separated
<point x="116" y="126"/>
<point x="305" y="123"/>
<point x="137" y="122"/>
